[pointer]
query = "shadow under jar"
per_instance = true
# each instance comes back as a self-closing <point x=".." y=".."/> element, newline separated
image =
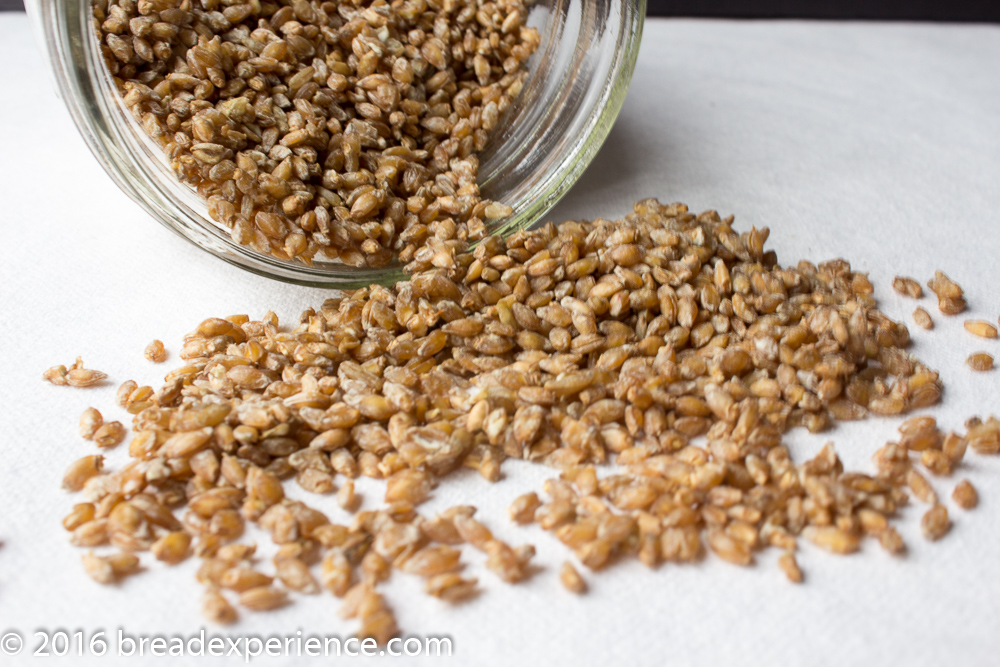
<point x="576" y="83"/>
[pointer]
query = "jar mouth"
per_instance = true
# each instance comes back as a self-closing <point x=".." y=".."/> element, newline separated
<point x="575" y="88"/>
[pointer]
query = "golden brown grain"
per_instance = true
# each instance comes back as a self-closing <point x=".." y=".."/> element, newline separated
<point x="109" y="434"/>
<point x="571" y="579"/>
<point x="951" y="299"/>
<point x="923" y="319"/>
<point x="655" y="362"/>
<point x="892" y="541"/>
<point x="74" y="376"/>
<point x="90" y="421"/>
<point x="921" y="488"/>
<point x="109" y="569"/>
<point x="451" y="587"/>
<point x="980" y="361"/>
<point x="790" y="566"/>
<point x="325" y="131"/>
<point x="82" y="470"/>
<point x="217" y="609"/>
<point x="263" y="598"/>
<point x="124" y="392"/>
<point x="935" y="523"/>
<point x="522" y="510"/>
<point x="835" y="540"/>
<point x="155" y="352"/>
<point x="965" y="495"/>
<point x="907" y="287"/>
<point x="81" y="514"/>
<point x="172" y="548"/>
<point x="295" y="575"/>
<point x="981" y="328"/>
<point x="346" y="496"/>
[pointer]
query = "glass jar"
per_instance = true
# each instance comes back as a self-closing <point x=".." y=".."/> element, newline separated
<point x="577" y="82"/>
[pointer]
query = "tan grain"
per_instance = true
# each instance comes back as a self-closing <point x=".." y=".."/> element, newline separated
<point x="217" y="609"/>
<point x="90" y="421"/>
<point x="980" y="328"/>
<point x="335" y="132"/>
<point x="790" y="566"/>
<point x="571" y="579"/>
<point x="965" y="495"/>
<point x="263" y="598"/>
<point x="923" y="319"/>
<point x="980" y="361"/>
<point x="155" y="352"/>
<point x="935" y="523"/>
<point x="665" y="350"/>
<point x="907" y="287"/>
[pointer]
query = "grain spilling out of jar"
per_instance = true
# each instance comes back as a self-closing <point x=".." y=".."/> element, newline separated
<point x="653" y="362"/>
<point x="321" y="131"/>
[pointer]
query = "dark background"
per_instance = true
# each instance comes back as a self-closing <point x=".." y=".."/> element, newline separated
<point x="908" y="10"/>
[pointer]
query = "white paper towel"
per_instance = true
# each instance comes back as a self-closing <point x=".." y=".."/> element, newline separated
<point x="878" y="143"/>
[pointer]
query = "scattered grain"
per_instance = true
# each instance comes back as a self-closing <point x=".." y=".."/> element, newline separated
<point x="217" y="609"/>
<point x="923" y="319"/>
<point x="965" y="495"/>
<point x="74" y="376"/>
<point x="109" y="435"/>
<point x="935" y="523"/>
<point x="155" y="352"/>
<point x="172" y="548"/>
<point x="451" y="587"/>
<point x="590" y="344"/>
<point x="787" y="561"/>
<point x="82" y="470"/>
<point x="951" y="300"/>
<point x="907" y="287"/>
<point x="263" y="598"/>
<point x="980" y="361"/>
<point x="90" y="421"/>
<point x="571" y="579"/>
<point x="981" y="328"/>
<point x="522" y="510"/>
<point x="109" y="569"/>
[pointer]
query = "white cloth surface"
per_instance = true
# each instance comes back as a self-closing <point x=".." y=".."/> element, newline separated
<point x="879" y="143"/>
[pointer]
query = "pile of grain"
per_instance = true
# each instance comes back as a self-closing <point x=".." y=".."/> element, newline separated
<point x="324" y="130"/>
<point x="665" y="350"/>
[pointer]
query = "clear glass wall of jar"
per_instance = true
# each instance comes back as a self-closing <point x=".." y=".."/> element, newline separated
<point x="577" y="83"/>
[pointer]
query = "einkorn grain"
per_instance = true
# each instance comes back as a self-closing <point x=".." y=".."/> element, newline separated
<point x="965" y="495"/>
<point x="907" y="287"/>
<point x="324" y="130"/>
<point x="923" y="319"/>
<point x="951" y="299"/>
<point x="571" y="579"/>
<point x="74" y="376"/>
<point x="665" y="350"/>
<point x="155" y="352"/>
<point x="980" y="361"/>
<point x="981" y="328"/>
